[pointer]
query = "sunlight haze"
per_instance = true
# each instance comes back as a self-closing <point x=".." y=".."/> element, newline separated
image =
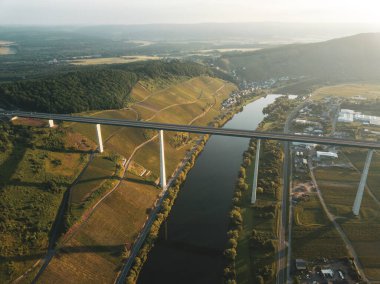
<point x="86" y="12"/>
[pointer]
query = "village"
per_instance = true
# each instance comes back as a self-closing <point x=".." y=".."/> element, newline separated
<point x="325" y="118"/>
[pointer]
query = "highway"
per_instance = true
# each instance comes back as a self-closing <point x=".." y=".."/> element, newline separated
<point x="198" y="129"/>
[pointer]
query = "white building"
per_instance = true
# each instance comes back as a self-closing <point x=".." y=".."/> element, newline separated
<point x="346" y="115"/>
<point x="321" y="154"/>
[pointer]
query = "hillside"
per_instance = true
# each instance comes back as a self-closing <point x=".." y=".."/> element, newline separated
<point x="89" y="88"/>
<point x="38" y="154"/>
<point x="343" y="59"/>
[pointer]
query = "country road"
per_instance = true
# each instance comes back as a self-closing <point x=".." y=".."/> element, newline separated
<point x="284" y="249"/>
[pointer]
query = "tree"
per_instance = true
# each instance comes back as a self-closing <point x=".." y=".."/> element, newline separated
<point x="259" y="279"/>
<point x="230" y="254"/>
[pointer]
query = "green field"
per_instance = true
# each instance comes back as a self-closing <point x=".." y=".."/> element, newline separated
<point x="370" y="91"/>
<point x="339" y="191"/>
<point x="313" y="235"/>
<point x="35" y="172"/>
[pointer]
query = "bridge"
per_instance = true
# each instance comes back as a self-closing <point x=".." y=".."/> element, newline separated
<point x="370" y="145"/>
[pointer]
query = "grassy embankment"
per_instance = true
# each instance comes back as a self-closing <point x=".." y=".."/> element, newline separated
<point x="251" y="249"/>
<point x="123" y="212"/>
<point x="37" y="165"/>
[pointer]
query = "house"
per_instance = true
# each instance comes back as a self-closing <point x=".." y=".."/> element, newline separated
<point x="300" y="264"/>
<point x="328" y="273"/>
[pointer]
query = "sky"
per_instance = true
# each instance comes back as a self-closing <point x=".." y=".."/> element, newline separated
<point x="97" y="12"/>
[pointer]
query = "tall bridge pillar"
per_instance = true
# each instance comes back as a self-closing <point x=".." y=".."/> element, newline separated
<point x="162" y="161"/>
<point x="363" y="181"/>
<point x="100" y="140"/>
<point x="51" y="123"/>
<point x="256" y="172"/>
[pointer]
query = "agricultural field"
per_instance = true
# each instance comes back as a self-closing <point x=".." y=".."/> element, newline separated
<point x="339" y="190"/>
<point x="6" y="48"/>
<point x="313" y="235"/>
<point x="112" y="60"/>
<point x="124" y="209"/>
<point x="370" y="91"/>
<point x="93" y="255"/>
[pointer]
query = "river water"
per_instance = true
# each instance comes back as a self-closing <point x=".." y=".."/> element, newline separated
<point x="198" y="222"/>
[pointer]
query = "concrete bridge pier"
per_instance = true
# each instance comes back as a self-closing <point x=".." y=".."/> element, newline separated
<point x="100" y="140"/>
<point x="162" y="161"/>
<point x="51" y="123"/>
<point x="363" y="181"/>
<point x="256" y="172"/>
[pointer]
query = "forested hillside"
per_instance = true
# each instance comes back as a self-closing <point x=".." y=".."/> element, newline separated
<point x="89" y="88"/>
<point x="344" y="59"/>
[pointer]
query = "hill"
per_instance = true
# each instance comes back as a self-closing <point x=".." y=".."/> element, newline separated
<point x="89" y="88"/>
<point x="344" y="59"/>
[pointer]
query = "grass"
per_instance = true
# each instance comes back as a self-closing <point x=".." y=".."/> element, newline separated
<point x="339" y="190"/>
<point x="113" y="60"/>
<point x="28" y="205"/>
<point x="100" y="170"/>
<point x="248" y="260"/>
<point x="370" y="91"/>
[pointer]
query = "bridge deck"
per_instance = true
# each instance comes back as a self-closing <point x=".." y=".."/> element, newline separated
<point x="199" y="129"/>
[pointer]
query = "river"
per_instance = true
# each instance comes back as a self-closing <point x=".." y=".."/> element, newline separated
<point x="198" y="222"/>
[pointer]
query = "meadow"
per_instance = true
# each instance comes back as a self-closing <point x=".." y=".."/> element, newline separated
<point x="367" y="90"/>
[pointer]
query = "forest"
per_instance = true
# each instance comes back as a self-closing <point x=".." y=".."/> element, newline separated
<point x="89" y="88"/>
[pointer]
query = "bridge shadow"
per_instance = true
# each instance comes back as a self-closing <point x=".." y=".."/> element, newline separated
<point x="66" y="151"/>
<point x="9" y="166"/>
<point x="322" y="230"/>
<point x="135" y="180"/>
<point x="114" y="250"/>
<point x="38" y="185"/>
<point x="99" y="178"/>
<point x="189" y="247"/>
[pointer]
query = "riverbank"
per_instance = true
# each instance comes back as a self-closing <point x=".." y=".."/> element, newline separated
<point x="194" y="231"/>
<point x="253" y="236"/>
<point x="149" y="234"/>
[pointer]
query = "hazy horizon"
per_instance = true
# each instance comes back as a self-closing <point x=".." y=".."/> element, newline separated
<point x="140" y="12"/>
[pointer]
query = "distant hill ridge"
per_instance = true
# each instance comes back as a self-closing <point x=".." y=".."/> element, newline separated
<point x="351" y="58"/>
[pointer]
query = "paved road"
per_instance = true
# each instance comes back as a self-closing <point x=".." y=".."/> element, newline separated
<point x="199" y="129"/>
<point x="283" y="251"/>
